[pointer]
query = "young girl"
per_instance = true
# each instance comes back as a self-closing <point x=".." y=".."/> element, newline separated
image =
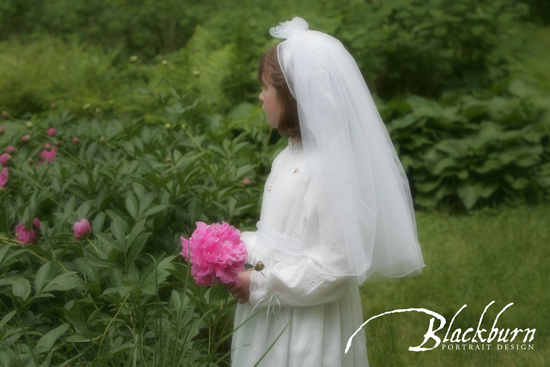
<point x="336" y="210"/>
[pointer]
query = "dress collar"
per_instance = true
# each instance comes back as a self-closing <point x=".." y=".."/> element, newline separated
<point x="295" y="147"/>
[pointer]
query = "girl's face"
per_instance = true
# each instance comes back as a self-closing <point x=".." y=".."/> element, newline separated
<point x="272" y="104"/>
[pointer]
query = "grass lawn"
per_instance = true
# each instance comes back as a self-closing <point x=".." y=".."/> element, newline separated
<point x="495" y="255"/>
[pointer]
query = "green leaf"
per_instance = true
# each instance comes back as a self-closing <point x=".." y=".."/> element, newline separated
<point x="69" y="206"/>
<point x="122" y="290"/>
<point x="136" y="248"/>
<point x="84" y="209"/>
<point x="99" y="221"/>
<point x="118" y="228"/>
<point x="63" y="282"/>
<point x="488" y="165"/>
<point x="469" y="194"/>
<point x="40" y="277"/>
<point x="104" y="238"/>
<point x="21" y="287"/>
<point x="78" y="324"/>
<point x="463" y="174"/>
<point x="144" y="203"/>
<point x="3" y="252"/>
<point x="456" y="148"/>
<point x="138" y="228"/>
<point x="132" y="205"/>
<point x="154" y="210"/>
<point x="47" y="341"/>
<point x="243" y="170"/>
<point x="6" y="319"/>
<point x="444" y="164"/>
<point x="427" y="186"/>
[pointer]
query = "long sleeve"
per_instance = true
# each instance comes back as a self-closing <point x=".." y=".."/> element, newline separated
<point x="306" y="283"/>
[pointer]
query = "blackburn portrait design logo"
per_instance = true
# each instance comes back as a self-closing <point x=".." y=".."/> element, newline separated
<point x="470" y="339"/>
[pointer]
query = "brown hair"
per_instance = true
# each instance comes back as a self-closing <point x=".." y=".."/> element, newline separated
<point x="269" y="67"/>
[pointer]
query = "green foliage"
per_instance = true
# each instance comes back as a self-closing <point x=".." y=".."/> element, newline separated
<point x="419" y="47"/>
<point x="475" y="150"/>
<point x="68" y="75"/>
<point x="122" y="296"/>
<point x="145" y="27"/>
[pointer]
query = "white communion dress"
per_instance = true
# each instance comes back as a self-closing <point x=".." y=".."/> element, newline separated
<point x="320" y="312"/>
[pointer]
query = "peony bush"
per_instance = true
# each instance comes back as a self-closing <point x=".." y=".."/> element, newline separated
<point x="93" y="212"/>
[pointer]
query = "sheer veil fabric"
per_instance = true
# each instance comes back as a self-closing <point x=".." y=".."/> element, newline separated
<point x="352" y="161"/>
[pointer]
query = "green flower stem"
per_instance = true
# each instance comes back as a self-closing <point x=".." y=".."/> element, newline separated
<point x="91" y="243"/>
<point x="111" y="322"/>
<point x="9" y="241"/>
<point x="193" y="138"/>
<point x="115" y="148"/>
<point x="40" y="257"/>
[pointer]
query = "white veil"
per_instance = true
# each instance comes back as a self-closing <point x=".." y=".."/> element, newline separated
<point x="351" y="159"/>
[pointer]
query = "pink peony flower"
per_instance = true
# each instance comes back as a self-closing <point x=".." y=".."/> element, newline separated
<point x="10" y="149"/>
<point x="26" y="138"/>
<point x="4" y="177"/>
<point x="75" y="140"/>
<point x="217" y="252"/>
<point x="5" y="159"/>
<point x="52" y="132"/>
<point x="246" y="182"/>
<point x="81" y="229"/>
<point x="24" y="235"/>
<point x="48" y="155"/>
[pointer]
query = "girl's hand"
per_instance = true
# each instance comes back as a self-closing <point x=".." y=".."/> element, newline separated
<point x="241" y="292"/>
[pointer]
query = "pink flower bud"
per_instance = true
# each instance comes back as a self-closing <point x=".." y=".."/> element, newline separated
<point x="48" y="155"/>
<point x="5" y="115"/>
<point x="259" y="266"/>
<point x="58" y="143"/>
<point x="10" y="149"/>
<point x="4" y="177"/>
<point x="30" y="160"/>
<point x="47" y="147"/>
<point x="5" y="159"/>
<point x="81" y="229"/>
<point x="24" y="235"/>
<point x="29" y="125"/>
<point x="52" y="132"/>
<point x="75" y="140"/>
<point x="246" y="182"/>
<point x="52" y="106"/>
<point x="102" y="139"/>
<point x="26" y="138"/>
<point x="2" y="131"/>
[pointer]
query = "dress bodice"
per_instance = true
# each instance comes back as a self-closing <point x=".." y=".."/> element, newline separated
<point x="285" y="192"/>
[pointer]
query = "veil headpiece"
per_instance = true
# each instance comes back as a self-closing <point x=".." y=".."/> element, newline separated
<point x="351" y="159"/>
